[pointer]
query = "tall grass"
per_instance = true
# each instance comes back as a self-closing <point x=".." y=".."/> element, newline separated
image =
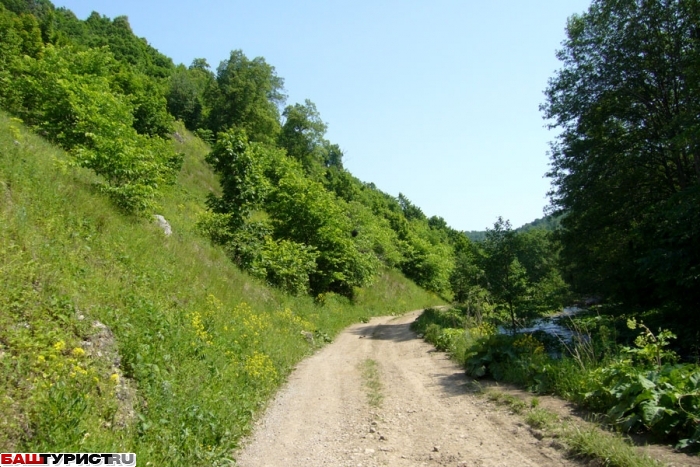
<point x="114" y="337"/>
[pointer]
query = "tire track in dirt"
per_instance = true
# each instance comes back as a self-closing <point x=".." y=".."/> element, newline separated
<point x="429" y="416"/>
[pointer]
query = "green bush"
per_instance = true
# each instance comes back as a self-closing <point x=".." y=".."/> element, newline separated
<point x="240" y="166"/>
<point x="286" y="264"/>
<point x="451" y="318"/>
<point x="428" y="263"/>
<point x="303" y="211"/>
<point x="451" y="340"/>
<point x="67" y="95"/>
<point x="489" y="355"/>
<point x="282" y="263"/>
<point x="373" y="233"/>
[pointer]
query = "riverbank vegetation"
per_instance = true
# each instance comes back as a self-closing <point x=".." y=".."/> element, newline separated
<point x="641" y="387"/>
<point x="583" y="440"/>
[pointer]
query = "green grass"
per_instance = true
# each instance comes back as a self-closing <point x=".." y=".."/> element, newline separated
<point x="608" y="449"/>
<point x="540" y="418"/>
<point x="196" y="345"/>
<point x="372" y="382"/>
<point x="501" y="398"/>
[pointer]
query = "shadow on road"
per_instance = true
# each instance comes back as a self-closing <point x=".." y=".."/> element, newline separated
<point x="399" y="332"/>
<point x="457" y="383"/>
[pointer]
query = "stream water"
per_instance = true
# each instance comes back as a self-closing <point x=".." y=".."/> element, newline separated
<point x="552" y="325"/>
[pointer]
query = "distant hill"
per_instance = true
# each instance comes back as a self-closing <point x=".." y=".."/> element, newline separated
<point x="476" y="235"/>
<point x="547" y="223"/>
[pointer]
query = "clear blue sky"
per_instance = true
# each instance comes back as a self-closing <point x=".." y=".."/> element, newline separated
<point x="436" y="99"/>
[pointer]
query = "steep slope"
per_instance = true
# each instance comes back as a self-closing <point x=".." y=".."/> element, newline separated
<point x="116" y="337"/>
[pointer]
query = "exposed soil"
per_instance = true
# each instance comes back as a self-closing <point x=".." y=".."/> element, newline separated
<point x="430" y="415"/>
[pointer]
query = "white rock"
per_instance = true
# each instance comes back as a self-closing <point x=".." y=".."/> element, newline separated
<point x="163" y="224"/>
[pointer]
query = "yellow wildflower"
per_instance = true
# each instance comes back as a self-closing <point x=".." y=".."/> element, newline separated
<point x="260" y="368"/>
<point x="527" y="343"/>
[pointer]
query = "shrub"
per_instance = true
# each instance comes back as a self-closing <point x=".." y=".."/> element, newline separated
<point x="283" y="263"/>
<point x="443" y="318"/>
<point x="240" y="166"/>
<point x="453" y="341"/>
<point x="287" y="265"/>
<point x="67" y="96"/>
<point x="303" y="211"/>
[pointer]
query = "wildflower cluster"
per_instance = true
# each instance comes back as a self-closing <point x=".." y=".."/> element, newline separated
<point x="200" y="331"/>
<point x="527" y="344"/>
<point x="260" y="369"/>
<point x="482" y="330"/>
<point x="252" y="324"/>
<point x="57" y="363"/>
<point x="214" y="304"/>
<point x="288" y="317"/>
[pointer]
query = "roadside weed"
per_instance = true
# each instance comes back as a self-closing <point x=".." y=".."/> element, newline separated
<point x="608" y="448"/>
<point x="540" y="418"/>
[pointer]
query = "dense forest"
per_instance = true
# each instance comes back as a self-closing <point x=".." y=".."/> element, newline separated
<point x="624" y="224"/>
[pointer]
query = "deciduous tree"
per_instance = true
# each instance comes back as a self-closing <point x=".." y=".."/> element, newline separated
<point x="627" y="103"/>
<point x="248" y="95"/>
<point x="506" y="278"/>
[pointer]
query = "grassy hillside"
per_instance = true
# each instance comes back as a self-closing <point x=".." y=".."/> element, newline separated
<point x="114" y="337"/>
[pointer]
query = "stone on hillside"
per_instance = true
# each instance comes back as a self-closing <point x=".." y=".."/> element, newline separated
<point x="163" y="224"/>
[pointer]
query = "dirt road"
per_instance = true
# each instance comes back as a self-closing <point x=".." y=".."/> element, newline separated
<point x="428" y="416"/>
